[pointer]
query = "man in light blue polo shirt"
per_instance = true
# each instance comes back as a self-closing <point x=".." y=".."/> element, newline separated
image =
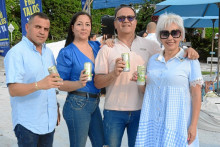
<point x="31" y="88"/>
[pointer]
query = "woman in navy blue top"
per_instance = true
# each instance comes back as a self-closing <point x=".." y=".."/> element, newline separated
<point x="81" y="109"/>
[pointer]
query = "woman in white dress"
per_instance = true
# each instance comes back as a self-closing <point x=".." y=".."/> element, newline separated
<point x="172" y="97"/>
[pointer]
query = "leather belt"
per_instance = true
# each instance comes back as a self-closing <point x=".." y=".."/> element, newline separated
<point x="85" y="94"/>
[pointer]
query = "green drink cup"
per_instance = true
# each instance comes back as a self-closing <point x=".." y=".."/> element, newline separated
<point x="88" y="68"/>
<point x="126" y="58"/>
<point x="141" y="70"/>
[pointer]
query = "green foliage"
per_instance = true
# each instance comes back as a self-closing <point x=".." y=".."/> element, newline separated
<point x="144" y="16"/>
<point x="14" y="18"/>
<point x="202" y="45"/>
<point x="16" y="35"/>
<point x="60" y="13"/>
<point x="207" y="73"/>
<point x="208" y="32"/>
<point x="156" y="1"/>
<point x="145" y="13"/>
<point x="13" y="10"/>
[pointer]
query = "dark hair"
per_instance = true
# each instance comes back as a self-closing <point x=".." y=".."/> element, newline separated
<point x="91" y="35"/>
<point x="70" y="36"/>
<point x="124" y="6"/>
<point x="39" y="14"/>
<point x="141" y="33"/>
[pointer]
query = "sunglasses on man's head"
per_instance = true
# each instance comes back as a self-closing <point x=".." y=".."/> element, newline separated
<point x="164" y="34"/>
<point x="122" y="18"/>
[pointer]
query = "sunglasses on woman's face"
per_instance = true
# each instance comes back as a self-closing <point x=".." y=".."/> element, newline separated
<point x="164" y="34"/>
<point x="122" y="18"/>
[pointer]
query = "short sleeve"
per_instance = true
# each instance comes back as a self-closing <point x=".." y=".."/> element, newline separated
<point x="14" y="68"/>
<point x="64" y="64"/>
<point x="195" y="77"/>
<point x="101" y="61"/>
<point x="96" y="44"/>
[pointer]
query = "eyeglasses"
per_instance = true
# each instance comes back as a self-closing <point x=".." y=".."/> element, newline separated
<point x="164" y="34"/>
<point x="122" y="18"/>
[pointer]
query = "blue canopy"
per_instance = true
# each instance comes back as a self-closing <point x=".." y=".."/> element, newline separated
<point x="187" y="8"/>
<point x="101" y="4"/>
<point x="200" y="22"/>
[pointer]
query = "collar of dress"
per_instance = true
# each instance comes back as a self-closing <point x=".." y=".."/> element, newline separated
<point x="179" y="56"/>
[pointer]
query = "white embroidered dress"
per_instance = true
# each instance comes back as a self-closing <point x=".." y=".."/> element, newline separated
<point x="167" y="107"/>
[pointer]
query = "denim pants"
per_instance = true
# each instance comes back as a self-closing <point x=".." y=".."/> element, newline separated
<point x="83" y="118"/>
<point x="26" y="138"/>
<point x="115" y="123"/>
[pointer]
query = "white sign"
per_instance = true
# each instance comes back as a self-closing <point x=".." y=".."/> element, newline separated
<point x="11" y="28"/>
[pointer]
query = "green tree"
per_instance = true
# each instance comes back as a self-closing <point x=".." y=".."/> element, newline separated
<point x="17" y="35"/>
<point x="144" y="15"/>
<point x="156" y="1"/>
<point x="60" y="13"/>
<point x="208" y="32"/>
<point x="13" y="16"/>
<point x="13" y="10"/>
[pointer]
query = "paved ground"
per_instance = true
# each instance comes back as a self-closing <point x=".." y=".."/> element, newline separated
<point x="7" y="137"/>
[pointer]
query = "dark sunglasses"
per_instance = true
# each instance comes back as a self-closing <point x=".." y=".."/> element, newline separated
<point x="164" y="34"/>
<point x="122" y="18"/>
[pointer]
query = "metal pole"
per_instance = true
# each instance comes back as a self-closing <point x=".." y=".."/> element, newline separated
<point x="89" y="7"/>
<point x="213" y="33"/>
<point x="84" y="8"/>
<point x="218" y="50"/>
<point x="11" y="37"/>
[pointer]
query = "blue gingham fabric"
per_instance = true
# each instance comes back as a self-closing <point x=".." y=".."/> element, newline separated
<point x="166" y="110"/>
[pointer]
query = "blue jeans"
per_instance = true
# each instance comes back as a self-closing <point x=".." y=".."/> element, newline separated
<point x="115" y="123"/>
<point x="83" y="118"/>
<point x="26" y="138"/>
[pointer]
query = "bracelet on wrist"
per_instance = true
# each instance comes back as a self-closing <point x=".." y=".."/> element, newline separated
<point x="36" y="86"/>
